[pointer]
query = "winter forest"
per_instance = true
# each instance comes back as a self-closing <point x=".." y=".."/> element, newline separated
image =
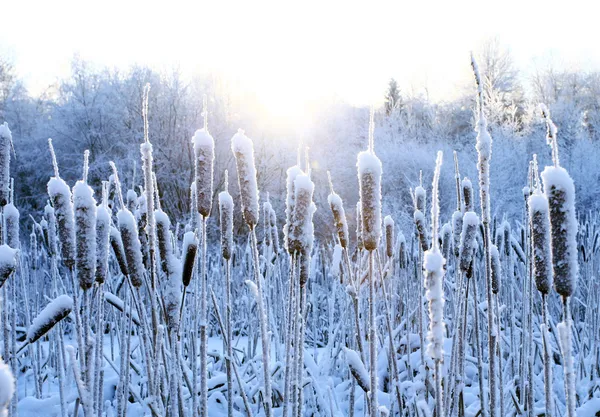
<point x="166" y="250"/>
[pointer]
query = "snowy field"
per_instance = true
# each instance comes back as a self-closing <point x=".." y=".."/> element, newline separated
<point x="112" y="307"/>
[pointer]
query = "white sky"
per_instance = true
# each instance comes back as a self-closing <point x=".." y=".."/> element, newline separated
<point x="288" y="53"/>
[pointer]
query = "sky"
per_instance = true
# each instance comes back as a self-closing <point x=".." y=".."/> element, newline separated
<point x="292" y="54"/>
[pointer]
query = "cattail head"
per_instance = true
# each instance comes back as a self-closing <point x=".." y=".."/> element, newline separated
<point x="369" y="178"/>
<point x="60" y="195"/>
<point x="468" y="198"/>
<point x="5" y="147"/>
<point x="496" y="269"/>
<point x="421" y="227"/>
<point x="467" y="239"/>
<point x="447" y="238"/>
<point x="190" y="249"/>
<point x="85" y="231"/>
<point x="507" y="237"/>
<point x="204" y="154"/>
<point x="420" y="196"/>
<point x="389" y="236"/>
<point x="226" y="221"/>
<point x="49" y="213"/>
<point x="339" y="215"/>
<point x="102" y="242"/>
<point x="274" y="230"/>
<point x="8" y="263"/>
<point x="402" y="252"/>
<point x="457" y="222"/>
<point x="540" y="236"/>
<point x="117" y="244"/>
<point x="243" y="150"/>
<point x="302" y="233"/>
<point x="54" y="312"/>
<point x="132" y="200"/>
<point x="11" y="217"/>
<point x="290" y="204"/>
<point x="163" y="236"/>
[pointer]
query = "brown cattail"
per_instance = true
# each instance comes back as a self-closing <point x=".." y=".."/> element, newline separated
<point x="8" y="263"/>
<point x="53" y="313"/>
<point x="419" y="218"/>
<point x="496" y="269"/>
<point x="540" y="236"/>
<point x="302" y="234"/>
<point x="369" y="178"/>
<point x="60" y="195"/>
<point x="204" y="157"/>
<point x="446" y="241"/>
<point x="102" y="241"/>
<point x="11" y="218"/>
<point x="467" y="239"/>
<point x="190" y="249"/>
<point x="420" y="196"/>
<point x="163" y="236"/>
<point x="5" y="147"/>
<point x="226" y="220"/>
<point x="339" y="215"/>
<point x="357" y="369"/>
<point x="457" y="224"/>
<point x="117" y="244"/>
<point x="243" y="150"/>
<point x="85" y="230"/>
<point x="402" y="254"/>
<point x="389" y="236"/>
<point x="468" y="198"/>
<point x="290" y="203"/>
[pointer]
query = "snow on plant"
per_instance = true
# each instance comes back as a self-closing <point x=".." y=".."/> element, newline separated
<point x="339" y="215"/>
<point x="7" y="387"/>
<point x="5" y="148"/>
<point x="8" y="263"/>
<point x="243" y="150"/>
<point x="54" y="312"/>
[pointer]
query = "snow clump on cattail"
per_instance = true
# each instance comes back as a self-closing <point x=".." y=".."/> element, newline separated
<point x="243" y="150"/>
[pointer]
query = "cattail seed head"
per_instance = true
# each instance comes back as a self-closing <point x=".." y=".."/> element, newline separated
<point x="131" y="246"/>
<point x="243" y="150"/>
<point x="467" y="239"/>
<point x="457" y="222"/>
<point x="5" y="147"/>
<point x="339" y="217"/>
<point x="117" y="244"/>
<point x="447" y="238"/>
<point x="102" y="242"/>
<point x="560" y="190"/>
<point x="369" y="178"/>
<point x="507" y="237"/>
<point x="496" y="269"/>
<point x="304" y="269"/>
<point x="85" y="234"/>
<point x="421" y="227"/>
<point x="468" y="198"/>
<point x="226" y="222"/>
<point x="420" y="196"/>
<point x="204" y="154"/>
<point x="290" y="204"/>
<point x="302" y="233"/>
<point x="402" y="253"/>
<point x="389" y="236"/>
<point x="163" y="236"/>
<point x="189" y="250"/>
<point x="8" y="263"/>
<point x="54" y="312"/>
<point x="540" y="236"/>
<point x="11" y="218"/>
<point x="132" y="200"/>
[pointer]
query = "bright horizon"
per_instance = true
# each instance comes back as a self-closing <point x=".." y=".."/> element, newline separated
<point x="291" y="56"/>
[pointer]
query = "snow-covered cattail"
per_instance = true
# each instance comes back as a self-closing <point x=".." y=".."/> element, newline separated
<point x="357" y="369"/>
<point x="226" y="220"/>
<point x="369" y="179"/>
<point x="267" y="207"/>
<point x="304" y="268"/>
<point x="540" y="236"/>
<point x="102" y="237"/>
<point x="8" y="263"/>
<point x="467" y="239"/>
<point x="401" y="245"/>
<point x="11" y="218"/>
<point x="129" y="235"/>
<point x="189" y="250"/>
<point x="243" y="150"/>
<point x="419" y="218"/>
<point x="60" y="195"/>
<point x="85" y="230"/>
<point x="117" y="244"/>
<point x="389" y="236"/>
<point x="163" y="236"/>
<point x="507" y="237"/>
<point x="468" y="198"/>
<point x="49" y="213"/>
<point x="5" y="147"/>
<point x="290" y="204"/>
<point x="457" y="224"/>
<point x="204" y="156"/>
<point x="496" y="269"/>
<point x="54" y="312"/>
<point x="132" y="200"/>
<point x="301" y="236"/>
<point x="446" y="240"/>
<point x="420" y="196"/>
<point x="339" y="215"/>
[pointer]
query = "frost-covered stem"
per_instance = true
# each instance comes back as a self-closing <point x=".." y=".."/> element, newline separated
<point x="83" y="393"/>
<point x="566" y="347"/>
<point x="300" y="350"/>
<point x="203" y="326"/>
<point x="263" y="325"/>
<point x="229" y="336"/>
<point x="296" y="337"/>
<point x="499" y="352"/>
<point x="62" y="365"/>
<point x="478" y="343"/>
<point x="98" y="352"/>
<point x="288" y="341"/>
<point x="372" y="340"/>
<point x="547" y="359"/>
